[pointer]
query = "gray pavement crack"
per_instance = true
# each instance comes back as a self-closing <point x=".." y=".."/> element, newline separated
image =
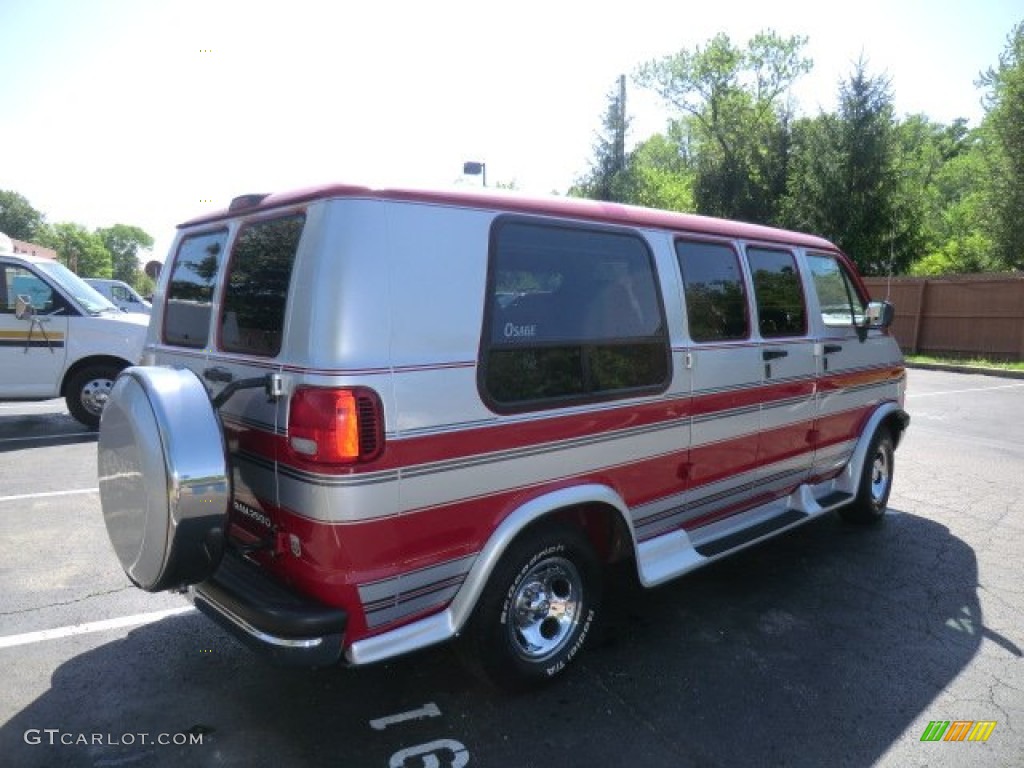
<point x="67" y="602"/>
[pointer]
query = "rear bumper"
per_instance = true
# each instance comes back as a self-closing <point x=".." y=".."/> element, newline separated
<point x="290" y="628"/>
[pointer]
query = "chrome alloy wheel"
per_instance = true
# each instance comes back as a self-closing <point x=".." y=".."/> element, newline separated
<point x="545" y="608"/>
<point x="881" y="476"/>
<point x="94" y="394"/>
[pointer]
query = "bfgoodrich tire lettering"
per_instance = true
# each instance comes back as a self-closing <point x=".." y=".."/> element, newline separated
<point x="537" y="610"/>
<point x="875" y="482"/>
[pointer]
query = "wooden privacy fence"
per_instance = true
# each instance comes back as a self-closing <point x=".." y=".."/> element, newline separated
<point x="957" y="315"/>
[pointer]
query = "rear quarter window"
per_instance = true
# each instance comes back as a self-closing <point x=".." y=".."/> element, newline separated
<point x="573" y="314"/>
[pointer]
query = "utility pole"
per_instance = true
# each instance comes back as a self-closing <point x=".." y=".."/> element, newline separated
<point x="620" y="128"/>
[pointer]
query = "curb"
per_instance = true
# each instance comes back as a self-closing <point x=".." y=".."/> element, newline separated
<point x="953" y="368"/>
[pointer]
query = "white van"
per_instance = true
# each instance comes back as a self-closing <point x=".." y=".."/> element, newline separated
<point x="374" y="420"/>
<point x="121" y="295"/>
<point x="58" y="337"/>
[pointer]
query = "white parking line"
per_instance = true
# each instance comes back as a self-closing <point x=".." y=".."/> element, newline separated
<point x="51" y="438"/>
<point x="960" y="391"/>
<point x="49" y="494"/>
<point x="11" y="641"/>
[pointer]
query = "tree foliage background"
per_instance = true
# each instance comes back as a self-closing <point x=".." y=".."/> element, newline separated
<point x="106" y="252"/>
<point x="898" y="195"/>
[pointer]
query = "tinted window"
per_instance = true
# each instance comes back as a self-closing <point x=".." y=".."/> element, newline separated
<point x="190" y="290"/>
<point x="838" y="297"/>
<point x="716" y="302"/>
<point x="572" y="314"/>
<point x="252" y="314"/>
<point x="777" y="293"/>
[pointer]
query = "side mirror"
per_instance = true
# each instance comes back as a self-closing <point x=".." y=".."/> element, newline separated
<point x="879" y="314"/>
<point x="23" y="309"/>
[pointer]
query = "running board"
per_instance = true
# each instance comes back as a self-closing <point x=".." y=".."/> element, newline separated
<point x="767" y="527"/>
<point x="747" y="535"/>
<point x="674" y="553"/>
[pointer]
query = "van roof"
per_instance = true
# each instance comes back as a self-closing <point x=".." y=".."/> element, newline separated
<point x="501" y="200"/>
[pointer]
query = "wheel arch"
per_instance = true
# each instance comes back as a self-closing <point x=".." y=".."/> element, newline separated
<point x="85" y="362"/>
<point x="595" y="508"/>
<point x="598" y="510"/>
<point x="888" y="415"/>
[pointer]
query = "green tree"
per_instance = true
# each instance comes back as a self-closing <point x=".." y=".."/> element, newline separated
<point x="124" y="243"/>
<point x="78" y="249"/>
<point x="734" y="102"/>
<point x="940" y="214"/>
<point x="660" y="175"/>
<point x="843" y="181"/>
<point x="1002" y="137"/>
<point x="18" y="219"/>
<point x="608" y="175"/>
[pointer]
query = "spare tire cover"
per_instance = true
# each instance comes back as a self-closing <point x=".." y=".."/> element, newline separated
<point x="163" y="477"/>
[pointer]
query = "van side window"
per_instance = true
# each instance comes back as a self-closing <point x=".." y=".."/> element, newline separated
<point x="190" y="290"/>
<point x="777" y="293"/>
<point x="573" y="314"/>
<point x="256" y="288"/>
<point x="716" y="301"/>
<point x="840" y="302"/>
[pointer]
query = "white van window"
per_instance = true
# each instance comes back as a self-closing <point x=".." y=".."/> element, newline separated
<point x="838" y="297"/>
<point x="190" y="290"/>
<point x="260" y="269"/>
<point x="777" y="293"/>
<point x="573" y="314"/>
<point x="716" y="301"/>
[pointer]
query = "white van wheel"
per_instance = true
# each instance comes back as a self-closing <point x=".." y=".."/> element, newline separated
<point x="875" y="482"/>
<point x="88" y="391"/>
<point x="537" y="609"/>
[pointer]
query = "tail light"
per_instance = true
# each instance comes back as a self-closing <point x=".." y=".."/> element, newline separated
<point x="336" y="426"/>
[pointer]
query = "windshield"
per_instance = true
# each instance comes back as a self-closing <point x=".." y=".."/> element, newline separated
<point x="83" y="293"/>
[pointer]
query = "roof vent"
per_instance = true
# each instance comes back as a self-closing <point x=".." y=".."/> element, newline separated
<point x="242" y="202"/>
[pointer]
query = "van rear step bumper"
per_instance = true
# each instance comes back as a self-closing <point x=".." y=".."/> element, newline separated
<point x="270" y="618"/>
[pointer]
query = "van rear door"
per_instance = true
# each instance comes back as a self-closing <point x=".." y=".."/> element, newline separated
<point x="224" y="319"/>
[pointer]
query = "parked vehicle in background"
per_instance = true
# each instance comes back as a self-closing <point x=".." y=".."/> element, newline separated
<point x="121" y="295"/>
<point x="371" y="421"/>
<point x="59" y="337"/>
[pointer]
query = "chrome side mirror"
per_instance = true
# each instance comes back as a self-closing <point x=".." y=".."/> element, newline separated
<point x="879" y="314"/>
<point x="23" y="309"/>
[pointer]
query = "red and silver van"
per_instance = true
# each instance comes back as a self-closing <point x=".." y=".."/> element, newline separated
<point x="374" y="420"/>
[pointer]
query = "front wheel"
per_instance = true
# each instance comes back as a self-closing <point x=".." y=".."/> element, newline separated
<point x="88" y="391"/>
<point x="537" y="609"/>
<point x="875" y="482"/>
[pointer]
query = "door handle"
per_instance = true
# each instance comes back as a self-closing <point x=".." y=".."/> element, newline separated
<point x="773" y="354"/>
<point x="830" y="348"/>
<point x="218" y="374"/>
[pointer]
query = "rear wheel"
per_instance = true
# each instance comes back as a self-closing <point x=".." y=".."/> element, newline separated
<point x="875" y="482"/>
<point x="537" y="609"/>
<point x="88" y="391"/>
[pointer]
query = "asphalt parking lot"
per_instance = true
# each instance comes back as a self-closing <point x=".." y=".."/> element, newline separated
<point x="831" y="645"/>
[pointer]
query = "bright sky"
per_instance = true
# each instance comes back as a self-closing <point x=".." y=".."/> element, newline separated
<point x="149" y="112"/>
